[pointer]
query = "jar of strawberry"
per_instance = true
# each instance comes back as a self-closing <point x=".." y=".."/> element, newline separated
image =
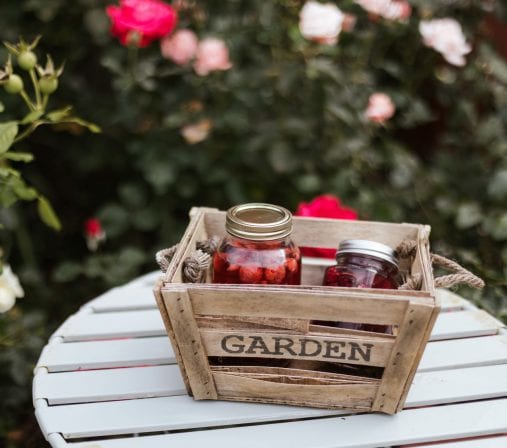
<point x="258" y="248"/>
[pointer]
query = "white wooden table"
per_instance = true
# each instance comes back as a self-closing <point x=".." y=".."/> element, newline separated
<point x="108" y="379"/>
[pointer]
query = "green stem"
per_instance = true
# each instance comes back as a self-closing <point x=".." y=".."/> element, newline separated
<point x="45" y="98"/>
<point x="133" y="55"/>
<point x="25" y="244"/>
<point x="27" y="100"/>
<point x="26" y="132"/>
<point x="36" y="89"/>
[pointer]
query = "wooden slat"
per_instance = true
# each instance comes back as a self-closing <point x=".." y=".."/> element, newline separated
<point x="403" y="357"/>
<point x="476" y="442"/>
<point x="460" y="353"/>
<point x="87" y="326"/>
<point x="240" y="388"/>
<point x="160" y="414"/>
<point x="356" y="431"/>
<point x="153" y="351"/>
<point x="429" y="388"/>
<point x="138" y="295"/>
<point x="295" y="304"/>
<point x="269" y="344"/>
<point x="319" y="232"/>
<point x="125" y="298"/>
<point x="464" y="324"/>
<point x="108" y="384"/>
<point x="61" y="357"/>
<point x="188" y="339"/>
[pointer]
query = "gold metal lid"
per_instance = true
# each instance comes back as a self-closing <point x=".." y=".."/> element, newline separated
<point x="257" y="221"/>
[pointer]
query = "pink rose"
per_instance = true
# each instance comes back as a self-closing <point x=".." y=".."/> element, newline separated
<point x="324" y="206"/>
<point x="388" y="9"/>
<point x="380" y="108"/>
<point x="320" y="22"/>
<point x="145" y="20"/>
<point x="179" y="47"/>
<point x="196" y="132"/>
<point x="446" y="37"/>
<point x="212" y="54"/>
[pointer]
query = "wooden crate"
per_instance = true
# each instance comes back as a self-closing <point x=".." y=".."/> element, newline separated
<point x="266" y="325"/>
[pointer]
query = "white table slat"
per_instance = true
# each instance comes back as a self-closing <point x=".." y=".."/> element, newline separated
<point x="460" y="353"/>
<point x="138" y="295"/>
<point x="355" y="431"/>
<point x="464" y="324"/>
<point x="429" y="388"/>
<point x="124" y="298"/>
<point x="483" y="442"/>
<point x="85" y="326"/>
<point x="59" y="357"/>
<point x="161" y="414"/>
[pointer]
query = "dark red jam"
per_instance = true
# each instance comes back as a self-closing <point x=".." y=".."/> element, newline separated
<point x="363" y="264"/>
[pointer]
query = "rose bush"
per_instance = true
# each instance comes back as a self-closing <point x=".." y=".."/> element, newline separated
<point x="289" y="123"/>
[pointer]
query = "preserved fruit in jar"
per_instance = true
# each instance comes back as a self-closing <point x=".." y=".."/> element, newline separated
<point x="257" y="248"/>
<point x="363" y="264"/>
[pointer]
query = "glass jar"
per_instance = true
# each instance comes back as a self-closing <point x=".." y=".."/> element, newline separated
<point x="258" y="248"/>
<point x="363" y="264"/>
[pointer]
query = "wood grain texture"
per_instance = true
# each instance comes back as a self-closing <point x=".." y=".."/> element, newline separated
<point x="351" y="396"/>
<point x="188" y="341"/>
<point x="289" y="303"/>
<point x="313" y="347"/>
<point x="169" y="328"/>
<point x="404" y="355"/>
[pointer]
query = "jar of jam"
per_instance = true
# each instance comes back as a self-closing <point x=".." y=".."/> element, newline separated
<point x="258" y="248"/>
<point x="363" y="264"/>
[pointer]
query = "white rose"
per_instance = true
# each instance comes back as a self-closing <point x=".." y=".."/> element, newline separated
<point x="7" y="300"/>
<point x="9" y="289"/>
<point x="321" y="22"/>
<point x="446" y="37"/>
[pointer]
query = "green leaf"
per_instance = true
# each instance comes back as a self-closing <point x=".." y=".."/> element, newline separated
<point x="32" y="116"/>
<point x="92" y="127"/>
<point x="18" y="156"/>
<point x="47" y="214"/>
<point x="58" y="115"/>
<point x="497" y="188"/>
<point x="2" y="107"/>
<point x="8" y="132"/>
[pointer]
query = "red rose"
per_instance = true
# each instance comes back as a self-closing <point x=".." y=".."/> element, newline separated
<point x="94" y="233"/>
<point x="324" y="206"/>
<point x="149" y="19"/>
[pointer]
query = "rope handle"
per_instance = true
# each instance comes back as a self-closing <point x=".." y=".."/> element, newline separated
<point x="460" y="275"/>
<point x="195" y="265"/>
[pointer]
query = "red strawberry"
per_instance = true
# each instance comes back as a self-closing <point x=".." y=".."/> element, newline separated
<point x="275" y="275"/>
<point x="250" y="274"/>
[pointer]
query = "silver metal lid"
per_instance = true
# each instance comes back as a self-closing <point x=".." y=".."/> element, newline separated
<point x="370" y="248"/>
<point x="257" y="221"/>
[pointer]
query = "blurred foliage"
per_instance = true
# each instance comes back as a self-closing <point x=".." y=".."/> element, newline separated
<point x="287" y="124"/>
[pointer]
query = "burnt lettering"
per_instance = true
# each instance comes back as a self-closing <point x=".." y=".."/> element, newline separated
<point x="334" y="347"/>
<point x="234" y="348"/>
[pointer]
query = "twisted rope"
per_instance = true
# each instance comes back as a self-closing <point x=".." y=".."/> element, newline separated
<point x="195" y="265"/>
<point x="408" y="249"/>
